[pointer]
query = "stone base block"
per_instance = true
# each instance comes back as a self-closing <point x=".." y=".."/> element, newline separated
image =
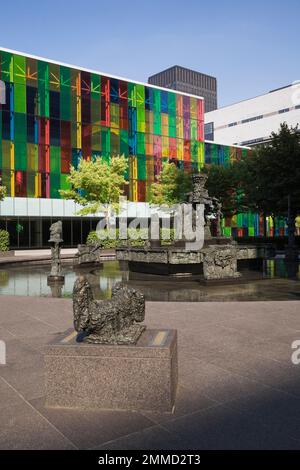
<point x="132" y="377"/>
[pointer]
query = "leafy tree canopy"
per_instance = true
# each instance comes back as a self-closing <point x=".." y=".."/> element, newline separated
<point x="171" y="186"/>
<point x="2" y="191"/>
<point x="96" y="183"/>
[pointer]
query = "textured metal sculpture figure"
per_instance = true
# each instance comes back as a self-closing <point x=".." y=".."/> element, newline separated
<point x="199" y="195"/>
<point x="110" y="321"/>
<point x="56" y="232"/>
<point x="55" y="240"/>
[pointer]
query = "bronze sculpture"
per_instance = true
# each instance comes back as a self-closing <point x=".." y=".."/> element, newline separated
<point x="109" y="321"/>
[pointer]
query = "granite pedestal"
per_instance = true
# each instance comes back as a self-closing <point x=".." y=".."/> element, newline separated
<point x="134" y="377"/>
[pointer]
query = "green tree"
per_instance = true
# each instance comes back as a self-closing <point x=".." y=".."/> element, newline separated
<point x="96" y="183"/>
<point x="2" y="191"/>
<point x="222" y="183"/>
<point x="172" y="185"/>
<point x="270" y="177"/>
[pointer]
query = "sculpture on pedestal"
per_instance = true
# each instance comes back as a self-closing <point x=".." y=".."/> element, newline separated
<point x="110" y="321"/>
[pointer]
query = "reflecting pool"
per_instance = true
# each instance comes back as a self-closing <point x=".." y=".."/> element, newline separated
<point x="280" y="281"/>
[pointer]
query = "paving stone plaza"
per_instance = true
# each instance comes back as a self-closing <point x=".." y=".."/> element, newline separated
<point x="238" y="388"/>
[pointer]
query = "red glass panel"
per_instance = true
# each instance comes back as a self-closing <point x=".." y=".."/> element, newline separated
<point x="141" y="191"/>
<point x="20" y="184"/>
<point x="65" y="133"/>
<point x="66" y="158"/>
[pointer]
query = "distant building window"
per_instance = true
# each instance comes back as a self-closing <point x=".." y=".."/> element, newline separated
<point x="285" y="110"/>
<point x="252" y="119"/>
<point x="232" y="124"/>
<point x="297" y="107"/>
<point x="209" y="131"/>
<point x="254" y="141"/>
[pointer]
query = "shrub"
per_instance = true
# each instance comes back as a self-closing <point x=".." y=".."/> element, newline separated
<point x="93" y="239"/>
<point x="4" y="240"/>
<point x="169" y="234"/>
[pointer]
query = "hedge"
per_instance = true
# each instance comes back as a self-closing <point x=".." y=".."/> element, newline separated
<point x="4" y="240"/>
<point x="93" y="239"/>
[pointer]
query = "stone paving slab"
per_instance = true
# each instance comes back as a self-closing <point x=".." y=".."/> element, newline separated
<point x="237" y="385"/>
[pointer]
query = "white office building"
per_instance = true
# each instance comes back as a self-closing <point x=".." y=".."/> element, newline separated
<point x="251" y="122"/>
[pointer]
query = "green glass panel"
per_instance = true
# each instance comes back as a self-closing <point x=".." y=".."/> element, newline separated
<point x="7" y="66"/>
<point x="65" y="77"/>
<point x="214" y="154"/>
<point x="20" y="156"/>
<point x="156" y="100"/>
<point x="140" y="96"/>
<point x="55" y="185"/>
<point x="55" y="159"/>
<point x="227" y="231"/>
<point x="114" y="115"/>
<point x="43" y="89"/>
<point x="131" y="94"/>
<point x="64" y="184"/>
<point x="95" y="112"/>
<point x="19" y="69"/>
<point x="140" y="143"/>
<point x="227" y="155"/>
<point x="105" y="142"/>
<point x="65" y="103"/>
<point x="193" y="124"/>
<point x="156" y="123"/>
<point x="194" y="151"/>
<point x="20" y="127"/>
<point x="114" y="144"/>
<point x="171" y="104"/>
<point x="19" y="98"/>
<point x="239" y="220"/>
<point x="124" y="143"/>
<point x="141" y="119"/>
<point x="30" y="184"/>
<point x="43" y="73"/>
<point x="96" y="138"/>
<point x="32" y="157"/>
<point x="43" y="103"/>
<point x="141" y="168"/>
<point x="54" y="77"/>
<point x="172" y="126"/>
<point x="95" y="86"/>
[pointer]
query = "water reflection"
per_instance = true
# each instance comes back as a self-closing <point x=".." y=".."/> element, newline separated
<point x="281" y="282"/>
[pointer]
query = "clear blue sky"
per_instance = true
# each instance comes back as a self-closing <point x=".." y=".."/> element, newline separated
<point x="251" y="47"/>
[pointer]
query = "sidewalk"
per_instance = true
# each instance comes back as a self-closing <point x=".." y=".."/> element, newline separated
<point x="32" y="256"/>
<point x="238" y="388"/>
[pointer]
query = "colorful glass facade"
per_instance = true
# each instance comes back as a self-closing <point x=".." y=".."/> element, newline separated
<point x="55" y="114"/>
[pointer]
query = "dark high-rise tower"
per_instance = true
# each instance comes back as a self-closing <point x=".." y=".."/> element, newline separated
<point x="188" y="81"/>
